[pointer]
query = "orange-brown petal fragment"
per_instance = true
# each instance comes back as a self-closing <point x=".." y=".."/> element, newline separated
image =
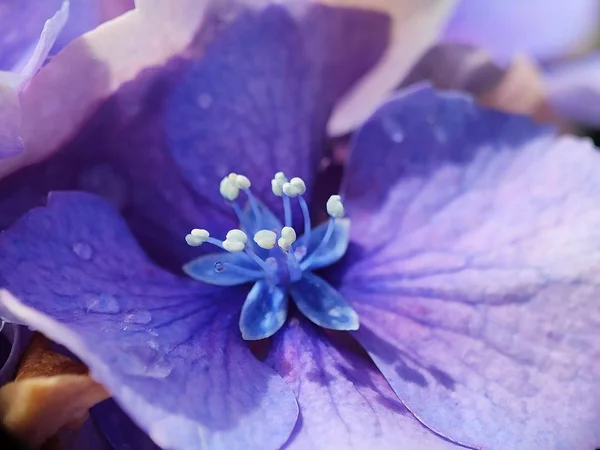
<point x="51" y="391"/>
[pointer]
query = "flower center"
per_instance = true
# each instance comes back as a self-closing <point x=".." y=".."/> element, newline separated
<point x="275" y="250"/>
<point x="276" y="259"/>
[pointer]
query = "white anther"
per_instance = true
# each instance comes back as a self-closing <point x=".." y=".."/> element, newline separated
<point x="284" y="244"/>
<point x="299" y="185"/>
<point x="197" y="237"/>
<point x="242" y="182"/>
<point x="335" y="207"/>
<point x="288" y="237"/>
<point x="265" y="239"/>
<point x="233" y="246"/>
<point x="276" y="188"/>
<point x="289" y="190"/>
<point x="280" y="177"/>
<point x="277" y="183"/>
<point x="236" y="235"/>
<point x="289" y="234"/>
<point x="228" y="188"/>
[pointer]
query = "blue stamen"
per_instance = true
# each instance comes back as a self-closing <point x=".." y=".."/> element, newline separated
<point x="328" y="233"/>
<point x="213" y="241"/>
<point x="306" y="215"/>
<point x="293" y="266"/>
<point x="240" y="215"/>
<point x="254" y="205"/>
<point x="287" y="211"/>
<point x="263" y="265"/>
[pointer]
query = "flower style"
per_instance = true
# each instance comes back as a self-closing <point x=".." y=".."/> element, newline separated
<point x="466" y="254"/>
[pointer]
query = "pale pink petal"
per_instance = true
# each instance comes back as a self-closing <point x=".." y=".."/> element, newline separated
<point x="417" y="24"/>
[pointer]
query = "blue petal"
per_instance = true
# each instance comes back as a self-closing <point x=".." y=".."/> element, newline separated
<point x="317" y="256"/>
<point x="345" y="403"/>
<point x="266" y="219"/>
<point x="476" y="282"/>
<point x="322" y="304"/>
<point x="168" y="348"/>
<point x="264" y="311"/>
<point x="223" y="269"/>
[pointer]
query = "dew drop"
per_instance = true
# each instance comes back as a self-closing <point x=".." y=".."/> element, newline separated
<point x="204" y="101"/>
<point x="144" y="361"/>
<point x="102" y="303"/>
<point x="83" y="250"/>
<point x="394" y="130"/>
<point x="219" y="267"/>
<point x="140" y="316"/>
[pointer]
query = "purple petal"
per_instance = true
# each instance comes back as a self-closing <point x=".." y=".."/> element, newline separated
<point x="52" y="28"/>
<point x="71" y="87"/>
<point x="574" y="90"/>
<point x="118" y="428"/>
<point x="475" y="260"/>
<point x="19" y="74"/>
<point x="106" y="155"/>
<point x="344" y="401"/>
<point x="258" y="101"/>
<point x="11" y="143"/>
<point x="168" y="349"/>
<point x="22" y="23"/>
<point x="544" y="29"/>
<point x="85" y="15"/>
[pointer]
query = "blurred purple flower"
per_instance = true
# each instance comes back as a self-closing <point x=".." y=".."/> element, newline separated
<point x="31" y="31"/>
<point x="474" y="322"/>
<point x="514" y="56"/>
<point x="544" y="30"/>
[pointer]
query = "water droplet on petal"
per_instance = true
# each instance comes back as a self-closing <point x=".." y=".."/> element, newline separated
<point x="219" y="267"/>
<point x="204" y="101"/>
<point x="83" y="250"/>
<point x="144" y="361"/>
<point x="394" y="130"/>
<point x="140" y="316"/>
<point x="102" y="303"/>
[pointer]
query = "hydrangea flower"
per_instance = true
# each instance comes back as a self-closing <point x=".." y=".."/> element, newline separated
<point x="483" y="326"/>
<point x="474" y="328"/>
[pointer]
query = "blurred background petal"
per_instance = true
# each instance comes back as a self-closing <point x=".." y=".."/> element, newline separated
<point x="544" y="29"/>
<point x="416" y="25"/>
<point x="574" y="90"/>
